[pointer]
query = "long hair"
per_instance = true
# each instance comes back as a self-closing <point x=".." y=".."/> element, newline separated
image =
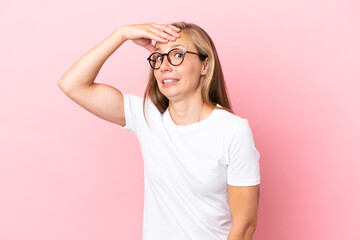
<point x="213" y="89"/>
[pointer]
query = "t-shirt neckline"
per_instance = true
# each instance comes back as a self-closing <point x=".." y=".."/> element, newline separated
<point x="192" y="125"/>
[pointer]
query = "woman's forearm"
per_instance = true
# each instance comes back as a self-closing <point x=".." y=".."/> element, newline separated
<point x="85" y="70"/>
<point x="246" y="234"/>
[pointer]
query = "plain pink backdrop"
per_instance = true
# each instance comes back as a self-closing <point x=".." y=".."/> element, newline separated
<point x="291" y="67"/>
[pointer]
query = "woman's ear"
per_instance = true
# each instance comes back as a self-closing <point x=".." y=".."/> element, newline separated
<point x="205" y="67"/>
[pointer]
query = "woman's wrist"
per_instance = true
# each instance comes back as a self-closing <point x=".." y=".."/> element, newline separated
<point x="120" y="31"/>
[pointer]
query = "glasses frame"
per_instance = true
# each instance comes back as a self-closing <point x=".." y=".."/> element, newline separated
<point x="167" y="56"/>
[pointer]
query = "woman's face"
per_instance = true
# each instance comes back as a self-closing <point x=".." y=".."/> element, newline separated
<point x="188" y="73"/>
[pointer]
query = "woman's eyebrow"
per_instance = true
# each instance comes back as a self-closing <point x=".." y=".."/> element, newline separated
<point x="173" y="46"/>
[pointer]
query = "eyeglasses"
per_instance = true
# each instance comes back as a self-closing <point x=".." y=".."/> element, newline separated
<point x="175" y="57"/>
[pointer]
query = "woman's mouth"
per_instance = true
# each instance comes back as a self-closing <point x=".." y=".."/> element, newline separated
<point x="169" y="82"/>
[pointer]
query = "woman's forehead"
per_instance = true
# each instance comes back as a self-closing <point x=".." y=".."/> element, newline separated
<point x="181" y="42"/>
<point x="160" y="48"/>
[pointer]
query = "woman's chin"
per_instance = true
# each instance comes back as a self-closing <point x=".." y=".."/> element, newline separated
<point x="171" y="95"/>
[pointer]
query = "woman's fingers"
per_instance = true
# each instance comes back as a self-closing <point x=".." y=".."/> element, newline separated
<point x="164" y="31"/>
<point x="173" y="27"/>
<point x="143" y="34"/>
<point x="151" y="48"/>
<point x="157" y="38"/>
<point x="160" y="33"/>
<point x="170" y="29"/>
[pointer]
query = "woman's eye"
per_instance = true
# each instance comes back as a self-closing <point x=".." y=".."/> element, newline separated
<point x="178" y="55"/>
<point x="159" y="59"/>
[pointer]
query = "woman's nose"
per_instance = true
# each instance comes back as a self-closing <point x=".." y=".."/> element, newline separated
<point x="165" y="65"/>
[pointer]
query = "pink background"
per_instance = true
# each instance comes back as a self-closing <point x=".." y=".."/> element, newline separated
<point x="292" y="69"/>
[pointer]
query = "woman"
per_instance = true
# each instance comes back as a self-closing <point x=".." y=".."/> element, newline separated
<point x="202" y="176"/>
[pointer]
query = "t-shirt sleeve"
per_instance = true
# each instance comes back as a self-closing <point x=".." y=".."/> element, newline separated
<point x="243" y="168"/>
<point x="132" y="109"/>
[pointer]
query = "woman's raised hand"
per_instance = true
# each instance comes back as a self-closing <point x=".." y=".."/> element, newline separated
<point x="143" y="34"/>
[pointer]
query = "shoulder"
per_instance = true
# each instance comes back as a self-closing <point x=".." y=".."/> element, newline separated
<point x="138" y="101"/>
<point x="233" y="127"/>
<point x="230" y="120"/>
<point x="133" y="98"/>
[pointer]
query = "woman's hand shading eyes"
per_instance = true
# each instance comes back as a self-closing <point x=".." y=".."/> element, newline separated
<point x="143" y="34"/>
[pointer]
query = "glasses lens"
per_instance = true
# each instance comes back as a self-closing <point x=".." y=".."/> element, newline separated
<point x="155" y="60"/>
<point x="176" y="56"/>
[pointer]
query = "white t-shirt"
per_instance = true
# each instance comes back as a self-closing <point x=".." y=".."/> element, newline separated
<point x="187" y="169"/>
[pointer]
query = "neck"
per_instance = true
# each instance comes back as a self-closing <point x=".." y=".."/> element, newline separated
<point x="186" y="112"/>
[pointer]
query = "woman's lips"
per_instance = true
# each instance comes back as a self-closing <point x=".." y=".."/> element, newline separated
<point x="168" y="78"/>
<point x="167" y="84"/>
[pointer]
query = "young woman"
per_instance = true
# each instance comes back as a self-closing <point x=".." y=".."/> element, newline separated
<point x="202" y="175"/>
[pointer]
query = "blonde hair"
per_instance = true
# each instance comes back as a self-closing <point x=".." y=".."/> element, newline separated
<point x="213" y="89"/>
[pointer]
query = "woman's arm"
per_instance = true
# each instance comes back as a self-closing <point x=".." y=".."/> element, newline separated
<point x="100" y="99"/>
<point x="85" y="70"/>
<point x="78" y="84"/>
<point x="243" y="204"/>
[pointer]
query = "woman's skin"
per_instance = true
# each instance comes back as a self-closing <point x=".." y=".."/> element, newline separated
<point x="103" y="100"/>
<point x="143" y="34"/>
<point x="185" y="102"/>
